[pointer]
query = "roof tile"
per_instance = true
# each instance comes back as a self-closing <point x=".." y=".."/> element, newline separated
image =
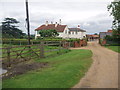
<point x="59" y="28"/>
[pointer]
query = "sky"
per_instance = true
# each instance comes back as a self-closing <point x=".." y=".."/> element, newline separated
<point x="91" y="15"/>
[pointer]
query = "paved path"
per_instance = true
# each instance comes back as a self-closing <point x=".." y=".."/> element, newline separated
<point x="104" y="70"/>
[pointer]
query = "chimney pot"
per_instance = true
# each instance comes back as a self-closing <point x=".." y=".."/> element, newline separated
<point x="51" y="22"/>
<point x="56" y="24"/>
<point x="60" y="22"/>
<point x="46" y="23"/>
<point x="78" y="26"/>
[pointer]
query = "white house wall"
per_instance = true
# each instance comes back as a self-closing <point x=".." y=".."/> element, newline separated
<point x="79" y="35"/>
<point x="60" y="34"/>
<point x="37" y="34"/>
<point x="65" y="34"/>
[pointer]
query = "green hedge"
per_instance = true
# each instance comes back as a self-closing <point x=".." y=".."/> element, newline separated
<point x="33" y="41"/>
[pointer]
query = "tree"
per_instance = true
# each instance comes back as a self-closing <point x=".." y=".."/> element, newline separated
<point x="114" y="9"/>
<point x="48" y="33"/>
<point x="95" y="33"/>
<point x="10" y="30"/>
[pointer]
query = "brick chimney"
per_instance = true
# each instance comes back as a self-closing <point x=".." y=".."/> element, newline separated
<point x="60" y="22"/>
<point x="56" y="24"/>
<point x="78" y="26"/>
<point x="46" y="23"/>
<point x="51" y="22"/>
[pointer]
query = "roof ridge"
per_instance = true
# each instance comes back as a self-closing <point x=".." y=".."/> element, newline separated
<point x="59" y="28"/>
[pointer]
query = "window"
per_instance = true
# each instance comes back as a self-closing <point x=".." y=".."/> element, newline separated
<point x="72" y="32"/>
<point x="66" y="31"/>
<point x="37" y="32"/>
<point x="76" y="32"/>
<point x="69" y="32"/>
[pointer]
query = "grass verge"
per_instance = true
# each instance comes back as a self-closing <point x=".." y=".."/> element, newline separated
<point x="64" y="71"/>
<point x="114" y="48"/>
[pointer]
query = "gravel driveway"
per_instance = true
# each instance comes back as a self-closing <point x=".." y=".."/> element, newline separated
<point x="104" y="71"/>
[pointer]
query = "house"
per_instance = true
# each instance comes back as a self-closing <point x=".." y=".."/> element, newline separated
<point x="103" y="34"/>
<point x="92" y="37"/>
<point x="76" y="33"/>
<point x="63" y="30"/>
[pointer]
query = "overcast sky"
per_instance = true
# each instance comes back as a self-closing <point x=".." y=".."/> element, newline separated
<point x="91" y="16"/>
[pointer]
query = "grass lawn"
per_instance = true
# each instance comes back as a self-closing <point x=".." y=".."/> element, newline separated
<point x="64" y="71"/>
<point x="114" y="48"/>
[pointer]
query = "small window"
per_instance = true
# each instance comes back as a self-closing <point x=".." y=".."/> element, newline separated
<point x="37" y="32"/>
<point x="69" y="32"/>
<point x="66" y="31"/>
<point x="76" y="32"/>
<point x="72" y="32"/>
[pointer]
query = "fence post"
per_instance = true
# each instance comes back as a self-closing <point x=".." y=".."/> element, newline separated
<point x="32" y="42"/>
<point x="42" y="49"/>
<point x="60" y="44"/>
<point x="63" y="43"/>
<point x="8" y="56"/>
<point x="69" y="44"/>
<point x="20" y="42"/>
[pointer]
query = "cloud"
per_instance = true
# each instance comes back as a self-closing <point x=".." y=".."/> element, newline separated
<point x="92" y="16"/>
<point x="98" y="24"/>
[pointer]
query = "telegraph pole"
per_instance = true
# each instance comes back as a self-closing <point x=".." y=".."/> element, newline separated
<point x="27" y="20"/>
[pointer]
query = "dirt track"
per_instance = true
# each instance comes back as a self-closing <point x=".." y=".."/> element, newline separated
<point x="104" y="71"/>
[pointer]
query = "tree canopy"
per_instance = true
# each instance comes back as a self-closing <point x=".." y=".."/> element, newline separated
<point x="114" y="9"/>
<point x="48" y="33"/>
<point x="95" y="33"/>
<point x="10" y="30"/>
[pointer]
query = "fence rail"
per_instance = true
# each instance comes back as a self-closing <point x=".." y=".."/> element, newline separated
<point x="12" y="55"/>
<point x="16" y="54"/>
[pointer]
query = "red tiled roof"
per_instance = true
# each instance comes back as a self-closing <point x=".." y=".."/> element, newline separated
<point x="59" y="28"/>
<point x="110" y="31"/>
<point x="93" y="35"/>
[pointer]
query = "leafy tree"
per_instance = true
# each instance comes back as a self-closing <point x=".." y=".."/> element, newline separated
<point x="10" y="30"/>
<point x="116" y="35"/>
<point x="108" y="37"/>
<point x="95" y="33"/>
<point x="48" y="33"/>
<point x="114" y="9"/>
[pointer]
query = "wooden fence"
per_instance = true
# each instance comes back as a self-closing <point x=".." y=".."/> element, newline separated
<point x="12" y="55"/>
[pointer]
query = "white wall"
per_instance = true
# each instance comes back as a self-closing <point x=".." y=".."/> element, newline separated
<point x="79" y="35"/>
<point x="65" y="34"/>
<point x="60" y="34"/>
<point x="36" y="34"/>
